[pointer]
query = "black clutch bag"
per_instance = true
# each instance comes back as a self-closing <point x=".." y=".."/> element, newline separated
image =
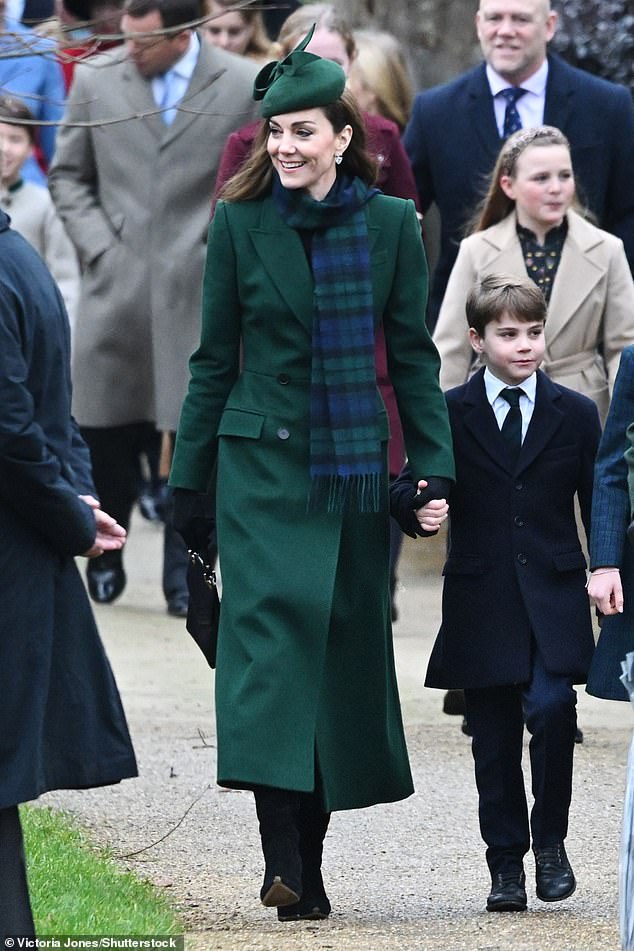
<point x="203" y="613"/>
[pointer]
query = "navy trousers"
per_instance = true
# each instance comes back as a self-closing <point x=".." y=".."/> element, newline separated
<point x="496" y="716"/>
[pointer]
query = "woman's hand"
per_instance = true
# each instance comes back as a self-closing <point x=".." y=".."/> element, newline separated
<point x="431" y="516"/>
<point x="110" y="535"/>
<point x="605" y="590"/>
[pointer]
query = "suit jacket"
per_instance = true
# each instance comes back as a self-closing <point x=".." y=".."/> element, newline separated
<point x="590" y="314"/>
<point x="515" y="569"/>
<point x="453" y="142"/>
<point x="134" y="198"/>
<point x="305" y="594"/>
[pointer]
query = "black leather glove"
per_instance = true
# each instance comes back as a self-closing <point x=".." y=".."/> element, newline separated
<point x="193" y="517"/>
<point x="405" y="499"/>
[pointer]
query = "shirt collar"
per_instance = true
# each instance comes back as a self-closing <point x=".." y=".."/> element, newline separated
<point x="494" y="386"/>
<point x="185" y="66"/>
<point x="535" y="83"/>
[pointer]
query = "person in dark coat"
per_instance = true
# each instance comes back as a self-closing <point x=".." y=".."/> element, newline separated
<point x="306" y="261"/>
<point x="611" y="584"/>
<point x="516" y="629"/>
<point x="63" y="725"/>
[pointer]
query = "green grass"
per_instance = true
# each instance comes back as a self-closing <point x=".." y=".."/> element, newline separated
<point x="77" y="889"/>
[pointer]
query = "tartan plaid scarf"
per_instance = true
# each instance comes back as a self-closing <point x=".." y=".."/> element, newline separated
<point x="346" y="460"/>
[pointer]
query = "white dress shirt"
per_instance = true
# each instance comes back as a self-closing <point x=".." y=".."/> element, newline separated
<point x="529" y="106"/>
<point x="176" y="79"/>
<point x="499" y="405"/>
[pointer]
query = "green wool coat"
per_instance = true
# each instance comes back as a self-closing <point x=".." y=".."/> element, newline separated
<point x="305" y="668"/>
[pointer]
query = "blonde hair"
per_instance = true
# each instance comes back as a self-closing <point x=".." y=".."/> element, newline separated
<point x="383" y="69"/>
<point x="259" y="46"/>
<point x="325" y="16"/>
<point x="496" y="205"/>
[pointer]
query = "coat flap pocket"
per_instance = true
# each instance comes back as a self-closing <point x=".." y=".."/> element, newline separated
<point x="465" y="565"/>
<point x="240" y="422"/>
<point x="569" y="560"/>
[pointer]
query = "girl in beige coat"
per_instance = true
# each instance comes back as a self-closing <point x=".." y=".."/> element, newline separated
<point x="527" y="225"/>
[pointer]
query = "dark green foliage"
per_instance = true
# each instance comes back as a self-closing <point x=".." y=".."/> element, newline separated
<point x="598" y="35"/>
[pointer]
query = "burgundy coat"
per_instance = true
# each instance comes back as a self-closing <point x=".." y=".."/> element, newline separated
<point x="395" y="178"/>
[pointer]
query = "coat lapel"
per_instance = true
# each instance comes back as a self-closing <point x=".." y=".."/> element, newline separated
<point x="282" y="254"/>
<point x="578" y="273"/>
<point x="503" y="249"/>
<point x="138" y="92"/>
<point x="480" y="420"/>
<point x="545" y="421"/>
<point x="482" y="114"/>
<point x="200" y="97"/>
<point x="559" y="94"/>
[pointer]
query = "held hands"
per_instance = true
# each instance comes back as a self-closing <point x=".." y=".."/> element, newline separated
<point x="110" y="535"/>
<point x="605" y="590"/>
<point x="433" y="513"/>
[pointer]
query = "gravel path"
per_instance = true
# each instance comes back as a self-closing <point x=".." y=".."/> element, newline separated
<point x="409" y="876"/>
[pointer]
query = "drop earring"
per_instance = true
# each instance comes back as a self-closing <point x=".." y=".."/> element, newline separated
<point x="338" y="158"/>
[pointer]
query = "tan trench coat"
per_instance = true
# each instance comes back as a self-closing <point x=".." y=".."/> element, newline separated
<point x="590" y="315"/>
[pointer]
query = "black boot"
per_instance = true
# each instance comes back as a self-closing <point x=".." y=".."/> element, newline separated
<point x="313" y="824"/>
<point x="277" y="811"/>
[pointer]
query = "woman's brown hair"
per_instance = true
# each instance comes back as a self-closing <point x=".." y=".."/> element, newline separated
<point x="255" y="177"/>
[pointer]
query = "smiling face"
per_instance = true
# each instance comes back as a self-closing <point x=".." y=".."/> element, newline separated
<point x="511" y="348"/>
<point x="15" y="148"/>
<point x="229" y="30"/>
<point x="513" y="35"/>
<point x="302" y="146"/>
<point x="542" y="187"/>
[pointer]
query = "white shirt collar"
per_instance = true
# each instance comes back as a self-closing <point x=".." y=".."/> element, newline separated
<point x="494" y="386"/>
<point x="535" y="83"/>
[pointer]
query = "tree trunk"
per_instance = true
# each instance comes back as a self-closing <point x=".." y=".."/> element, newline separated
<point x="438" y="36"/>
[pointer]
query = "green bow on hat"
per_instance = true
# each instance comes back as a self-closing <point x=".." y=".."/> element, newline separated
<point x="300" y="81"/>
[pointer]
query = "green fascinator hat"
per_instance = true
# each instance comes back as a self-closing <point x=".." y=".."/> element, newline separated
<point x="300" y="81"/>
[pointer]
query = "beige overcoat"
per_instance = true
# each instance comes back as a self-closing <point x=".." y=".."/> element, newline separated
<point x="134" y="197"/>
<point x="590" y="315"/>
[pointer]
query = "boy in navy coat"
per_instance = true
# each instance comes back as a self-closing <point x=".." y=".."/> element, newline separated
<point x="516" y="628"/>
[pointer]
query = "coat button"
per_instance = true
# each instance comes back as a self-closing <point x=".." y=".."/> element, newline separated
<point x="282" y="433"/>
<point x="523" y="560"/>
<point x="519" y="486"/>
<point x="518" y="521"/>
<point x="283" y="378"/>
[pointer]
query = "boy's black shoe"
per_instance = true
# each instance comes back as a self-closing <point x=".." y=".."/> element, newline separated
<point x="508" y="892"/>
<point x="553" y="872"/>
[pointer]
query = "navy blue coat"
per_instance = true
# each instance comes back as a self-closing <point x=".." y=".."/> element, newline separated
<point x="452" y="141"/>
<point x="515" y="568"/>
<point x="608" y="546"/>
<point x="62" y="721"/>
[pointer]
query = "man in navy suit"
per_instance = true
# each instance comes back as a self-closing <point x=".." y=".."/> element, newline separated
<point x="516" y="630"/>
<point x="456" y="129"/>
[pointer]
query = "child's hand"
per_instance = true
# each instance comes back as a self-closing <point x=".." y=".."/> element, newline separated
<point x="433" y="513"/>
<point x="605" y="590"/>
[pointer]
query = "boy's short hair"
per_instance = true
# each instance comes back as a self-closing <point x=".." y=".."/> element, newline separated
<point x="19" y="114"/>
<point x="498" y="294"/>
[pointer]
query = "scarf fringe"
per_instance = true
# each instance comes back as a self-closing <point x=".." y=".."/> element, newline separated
<point x="336" y="493"/>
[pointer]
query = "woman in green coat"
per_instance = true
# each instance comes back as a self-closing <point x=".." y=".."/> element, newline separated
<point x="304" y="261"/>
